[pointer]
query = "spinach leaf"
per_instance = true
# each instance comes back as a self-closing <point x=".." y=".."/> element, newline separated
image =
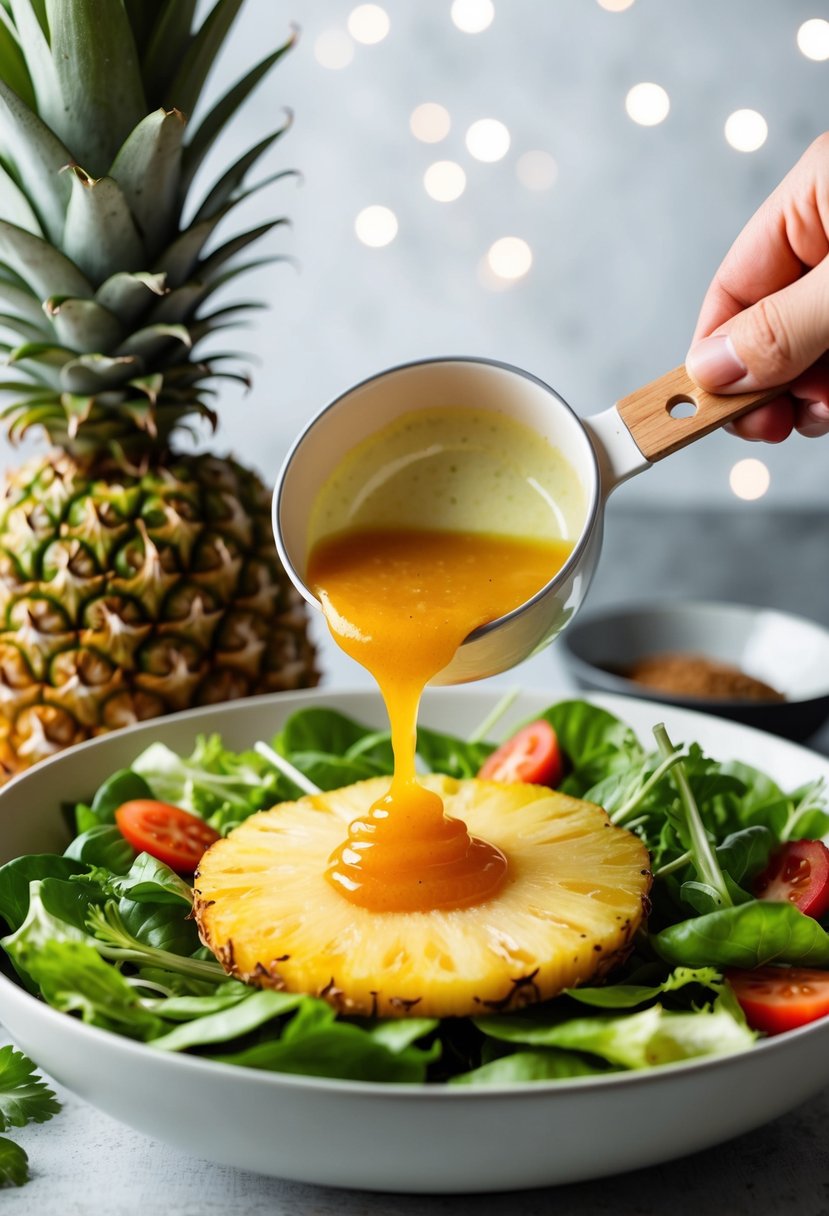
<point x="162" y="926"/>
<point x="16" y="877"/>
<point x="148" y="880"/>
<point x="446" y="754"/>
<point x="594" y="741"/>
<point x="551" y="1064"/>
<point x="185" y="1008"/>
<point x="319" y="730"/>
<point x="231" y="1023"/>
<point x="743" y="854"/>
<point x="121" y="787"/>
<point x="57" y="912"/>
<point x="103" y="846"/>
<point x="748" y="935"/>
<point x="629" y="996"/>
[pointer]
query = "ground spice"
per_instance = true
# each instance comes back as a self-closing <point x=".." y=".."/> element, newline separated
<point x="693" y="675"/>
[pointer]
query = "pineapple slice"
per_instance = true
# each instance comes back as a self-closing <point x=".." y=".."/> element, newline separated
<point x="575" y="893"/>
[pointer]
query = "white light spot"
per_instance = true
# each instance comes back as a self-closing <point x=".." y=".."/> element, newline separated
<point x="368" y="23"/>
<point x="488" y="140"/>
<point x="813" y="39"/>
<point x="473" y="16"/>
<point x="749" y="479"/>
<point x="444" y="181"/>
<point x="376" y="226"/>
<point x="510" y="257"/>
<point x="536" y="170"/>
<point x="648" y="104"/>
<point x="746" y="130"/>
<point x="334" y="49"/>
<point x="430" y="122"/>
<point x="615" y="6"/>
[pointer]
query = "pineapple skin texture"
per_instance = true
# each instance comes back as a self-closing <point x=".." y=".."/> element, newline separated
<point x="575" y="894"/>
<point x="127" y="596"/>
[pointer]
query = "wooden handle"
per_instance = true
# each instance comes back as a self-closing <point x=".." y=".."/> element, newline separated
<point x="647" y="412"/>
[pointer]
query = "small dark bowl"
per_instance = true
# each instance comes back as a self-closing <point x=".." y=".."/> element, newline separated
<point x="787" y="652"/>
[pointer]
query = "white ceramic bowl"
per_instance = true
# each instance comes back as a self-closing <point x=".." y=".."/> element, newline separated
<point x="397" y="1137"/>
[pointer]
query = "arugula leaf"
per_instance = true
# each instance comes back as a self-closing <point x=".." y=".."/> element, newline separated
<point x="24" y="1096"/>
<point x="14" y="1164"/>
<point x="75" y="979"/>
<point x="749" y="935"/>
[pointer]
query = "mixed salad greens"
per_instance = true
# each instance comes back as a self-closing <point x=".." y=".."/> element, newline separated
<point x="104" y="932"/>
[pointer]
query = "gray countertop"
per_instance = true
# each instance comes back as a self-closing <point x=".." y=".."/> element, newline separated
<point x="83" y="1162"/>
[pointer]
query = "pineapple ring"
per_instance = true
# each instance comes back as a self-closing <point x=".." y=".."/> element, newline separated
<point x="575" y="893"/>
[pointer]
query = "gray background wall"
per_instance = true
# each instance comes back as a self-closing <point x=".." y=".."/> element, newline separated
<point x="624" y="243"/>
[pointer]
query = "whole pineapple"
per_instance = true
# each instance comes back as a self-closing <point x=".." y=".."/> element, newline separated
<point x="575" y="893"/>
<point x="133" y="580"/>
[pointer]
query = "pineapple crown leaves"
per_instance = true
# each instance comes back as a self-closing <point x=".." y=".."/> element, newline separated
<point x="103" y="283"/>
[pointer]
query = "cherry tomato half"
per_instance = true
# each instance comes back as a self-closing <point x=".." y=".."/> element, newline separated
<point x="533" y="755"/>
<point x="781" y="998"/>
<point x="797" y="873"/>
<point x="166" y="832"/>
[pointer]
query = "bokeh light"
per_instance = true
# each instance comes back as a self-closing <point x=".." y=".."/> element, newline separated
<point x="444" y="181"/>
<point x="430" y="122"/>
<point x="368" y="23"/>
<point x="536" y="170"/>
<point x="615" y="6"/>
<point x="473" y="16"/>
<point x="488" y="140"/>
<point x="648" y="104"/>
<point x="746" y="130"/>
<point x="813" y="39"/>
<point x="376" y="226"/>
<point x="749" y="479"/>
<point x="334" y="49"/>
<point x="509" y="258"/>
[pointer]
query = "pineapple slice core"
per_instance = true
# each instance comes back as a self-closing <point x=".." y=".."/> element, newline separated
<point x="573" y="896"/>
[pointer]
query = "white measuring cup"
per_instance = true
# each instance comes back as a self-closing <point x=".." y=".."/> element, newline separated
<point x="604" y="450"/>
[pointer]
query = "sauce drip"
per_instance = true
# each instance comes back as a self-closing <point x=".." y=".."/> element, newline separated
<point x="400" y="602"/>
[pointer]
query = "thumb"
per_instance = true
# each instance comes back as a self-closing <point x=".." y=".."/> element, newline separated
<point x="769" y="343"/>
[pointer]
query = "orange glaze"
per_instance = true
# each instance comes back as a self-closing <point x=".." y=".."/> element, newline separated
<point x="401" y="602"/>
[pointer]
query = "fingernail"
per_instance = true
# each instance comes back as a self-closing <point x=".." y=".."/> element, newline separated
<point x="713" y="362"/>
<point x="815" y="420"/>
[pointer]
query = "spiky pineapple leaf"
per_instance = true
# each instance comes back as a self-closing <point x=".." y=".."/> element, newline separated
<point x="100" y="231"/>
<point x="84" y="325"/>
<point x="33" y="34"/>
<point x="37" y="157"/>
<point x="13" y="62"/>
<point x="100" y="87"/>
<point x="235" y="245"/>
<point x="147" y="344"/>
<point x="21" y="303"/>
<point x="15" y="207"/>
<point x="200" y="56"/>
<point x="165" y="47"/>
<point x="96" y="373"/>
<point x="47" y="271"/>
<point x="147" y="169"/>
<point x="214" y="122"/>
<point x="224" y="189"/>
<point x="22" y="328"/>
<point x="143" y="17"/>
<point x="129" y="296"/>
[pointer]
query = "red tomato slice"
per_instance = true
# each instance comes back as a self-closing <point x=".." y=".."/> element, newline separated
<point x="166" y="832"/>
<point x="781" y="998"/>
<point x="797" y="873"/>
<point x="533" y="755"/>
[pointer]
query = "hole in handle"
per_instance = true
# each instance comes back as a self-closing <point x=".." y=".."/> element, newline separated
<point x="680" y="406"/>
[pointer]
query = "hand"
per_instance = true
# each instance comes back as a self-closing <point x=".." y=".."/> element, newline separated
<point x="765" y="317"/>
